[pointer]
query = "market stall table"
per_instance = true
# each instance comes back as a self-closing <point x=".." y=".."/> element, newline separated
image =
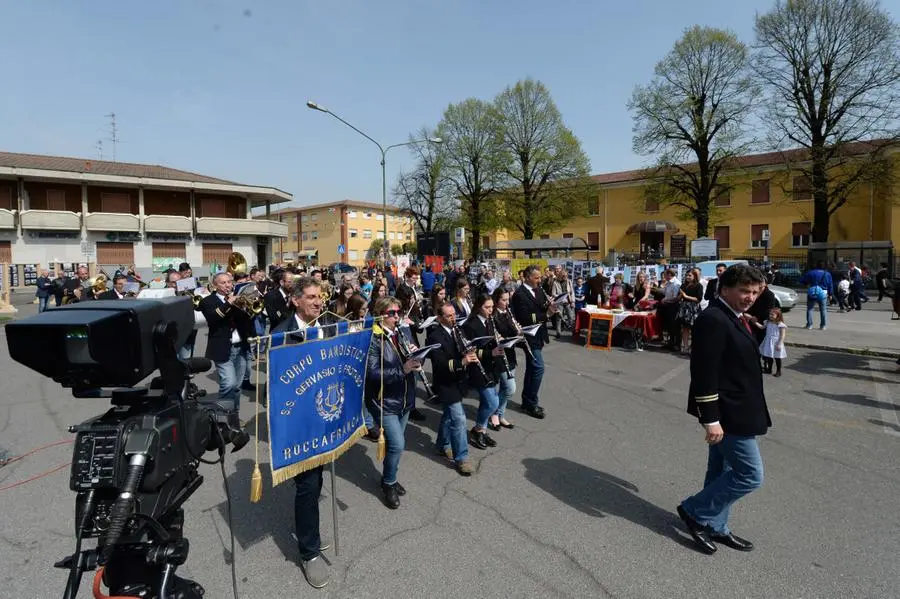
<point x="647" y="322"/>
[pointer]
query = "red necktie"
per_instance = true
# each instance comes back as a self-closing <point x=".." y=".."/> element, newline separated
<point x="396" y="342"/>
<point x="746" y="323"/>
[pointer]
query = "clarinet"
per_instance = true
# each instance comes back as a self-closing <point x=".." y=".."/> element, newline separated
<point x="405" y="351"/>
<point x="497" y="337"/>
<point x="524" y="342"/>
<point x="463" y="346"/>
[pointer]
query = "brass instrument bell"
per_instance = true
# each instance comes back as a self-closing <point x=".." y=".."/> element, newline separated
<point x="237" y="264"/>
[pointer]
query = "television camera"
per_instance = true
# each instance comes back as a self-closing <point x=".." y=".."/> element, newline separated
<point x="135" y="466"/>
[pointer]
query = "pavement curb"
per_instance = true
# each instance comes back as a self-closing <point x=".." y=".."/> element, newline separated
<point x="845" y="350"/>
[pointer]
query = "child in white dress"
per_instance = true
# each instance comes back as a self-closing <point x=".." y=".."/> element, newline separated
<point x="772" y="347"/>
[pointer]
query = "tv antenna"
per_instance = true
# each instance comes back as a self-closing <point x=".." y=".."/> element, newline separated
<point x="99" y="147"/>
<point x="114" y="131"/>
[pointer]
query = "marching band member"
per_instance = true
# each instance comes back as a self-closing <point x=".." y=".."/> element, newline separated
<point x="460" y="299"/>
<point x="481" y="375"/>
<point x="77" y="290"/>
<point x="229" y="329"/>
<point x="530" y="306"/>
<point x="411" y="307"/>
<point x="449" y="368"/>
<point x="390" y="392"/>
<point x="506" y="370"/>
<point x="307" y="302"/>
<point x="117" y="291"/>
<point x="277" y="301"/>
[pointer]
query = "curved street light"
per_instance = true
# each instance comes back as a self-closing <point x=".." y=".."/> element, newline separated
<point x="383" y="149"/>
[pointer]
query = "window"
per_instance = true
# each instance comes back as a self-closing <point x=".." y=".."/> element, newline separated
<point x="169" y="250"/>
<point x="294" y="236"/>
<point x="756" y="235"/>
<point x="800" y="234"/>
<point x="760" y="193"/>
<point x="315" y="235"/>
<point x="354" y="255"/>
<point x="723" y="198"/>
<point x="391" y="235"/>
<point x="485" y="242"/>
<point x="313" y="216"/>
<point x="651" y="205"/>
<point x="353" y="233"/>
<point x="379" y="235"/>
<point x="367" y="215"/>
<point x="305" y="236"/>
<point x="408" y="236"/>
<point x="545" y="236"/>
<point x="367" y="233"/>
<point x="351" y="214"/>
<point x="305" y="218"/>
<point x="6" y="252"/>
<point x="379" y="216"/>
<point x="6" y="198"/>
<point x="802" y="188"/>
<point x="568" y="235"/>
<point x="593" y="240"/>
<point x="56" y="199"/>
<point x="723" y="236"/>
<point x="217" y="253"/>
<point x="115" y="202"/>
<point x="593" y="206"/>
<point x="116" y="253"/>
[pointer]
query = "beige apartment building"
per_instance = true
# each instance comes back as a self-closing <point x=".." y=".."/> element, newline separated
<point x="317" y="233"/>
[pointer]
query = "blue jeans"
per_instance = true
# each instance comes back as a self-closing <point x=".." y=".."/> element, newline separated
<point x="534" y="374"/>
<point x="452" y="431"/>
<point x="42" y="303"/>
<point x="231" y="375"/>
<point x="488" y="400"/>
<point x="395" y="436"/>
<point x="734" y="469"/>
<point x="507" y="389"/>
<point x="823" y="314"/>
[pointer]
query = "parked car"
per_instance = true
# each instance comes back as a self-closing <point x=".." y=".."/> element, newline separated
<point x="336" y="270"/>
<point x="787" y="298"/>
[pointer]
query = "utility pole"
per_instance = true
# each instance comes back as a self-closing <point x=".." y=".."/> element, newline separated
<point x="114" y="131"/>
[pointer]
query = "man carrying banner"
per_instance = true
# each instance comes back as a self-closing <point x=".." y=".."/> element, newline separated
<point x="390" y="391"/>
<point x="449" y="366"/>
<point x="307" y="301"/>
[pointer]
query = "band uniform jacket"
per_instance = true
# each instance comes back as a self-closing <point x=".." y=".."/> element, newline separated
<point x="277" y="307"/>
<point x="109" y="294"/>
<point x="472" y="329"/>
<point x="406" y="295"/>
<point x="726" y="376"/>
<point x="289" y="325"/>
<point x="530" y="310"/>
<point x="447" y="367"/>
<point x="69" y="287"/>
<point x="506" y="328"/>
<point x="222" y="318"/>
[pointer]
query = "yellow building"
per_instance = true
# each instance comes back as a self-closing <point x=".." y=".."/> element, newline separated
<point x="765" y="196"/>
<point x="317" y="232"/>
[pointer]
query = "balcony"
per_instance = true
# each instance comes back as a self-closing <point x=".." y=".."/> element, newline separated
<point x="51" y="220"/>
<point x="164" y="223"/>
<point x="7" y="219"/>
<point x="207" y="225"/>
<point x="112" y="221"/>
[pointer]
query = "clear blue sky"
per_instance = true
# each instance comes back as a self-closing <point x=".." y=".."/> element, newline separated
<point x="219" y="87"/>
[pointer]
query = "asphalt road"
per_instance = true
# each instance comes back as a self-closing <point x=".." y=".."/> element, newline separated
<point x="578" y="505"/>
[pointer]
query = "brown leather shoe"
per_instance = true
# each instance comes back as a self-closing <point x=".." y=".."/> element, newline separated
<point x="465" y="468"/>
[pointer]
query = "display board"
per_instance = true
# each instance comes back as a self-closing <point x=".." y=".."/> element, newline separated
<point x="13" y="275"/>
<point x="31" y="274"/>
<point x="599" y="334"/>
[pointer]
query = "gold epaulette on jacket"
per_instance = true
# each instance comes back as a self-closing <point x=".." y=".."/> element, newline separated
<point x="451" y="366"/>
<point x="706" y="398"/>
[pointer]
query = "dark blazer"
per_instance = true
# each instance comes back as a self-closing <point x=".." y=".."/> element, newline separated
<point x="446" y="366"/>
<point x="461" y="313"/>
<point x="506" y="329"/>
<point x="726" y="377"/>
<point x="711" y="287"/>
<point x="595" y="290"/>
<point x="530" y="310"/>
<point x="277" y="307"/>
<point x="109" y="294"/>
<point x="384" y="362"/>
<point x="406" y="295"/>
<point x="44" y="287"/>
<point x="69" y="288"/>
<point x="473" y="329"/>
<point x="289" y="325"/>
<point x="222" y="319"/>
<point x="760" y="310"/>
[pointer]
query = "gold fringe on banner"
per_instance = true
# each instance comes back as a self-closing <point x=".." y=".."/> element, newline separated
<point x="256" y="478"/>
<point x="289" y="472"/>
<point x="381" y="451"/>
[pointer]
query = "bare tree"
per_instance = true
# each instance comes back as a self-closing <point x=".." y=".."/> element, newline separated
<point x="474" y="159"/>
<point x="831" y="68"/>
<point x="692" y="119"/>
<point x="425" y="191"/>
<point x="545" y="165"/>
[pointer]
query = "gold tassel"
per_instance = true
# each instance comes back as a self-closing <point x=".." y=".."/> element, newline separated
<point x="382" y="447"/>
<point x="256" y="485"/>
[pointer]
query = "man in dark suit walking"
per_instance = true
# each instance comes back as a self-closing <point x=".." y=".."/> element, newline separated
<point x="306" y="299"/>
<point x="277" y="301"/>
<point x="530" y="306"/>
<point x="726" y="395"/>
<point x="712" y="286"/>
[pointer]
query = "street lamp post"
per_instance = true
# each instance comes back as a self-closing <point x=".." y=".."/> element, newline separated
<point x="383" y="150"/>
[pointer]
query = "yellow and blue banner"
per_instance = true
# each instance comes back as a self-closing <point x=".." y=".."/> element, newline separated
<point x="315" y="393"/>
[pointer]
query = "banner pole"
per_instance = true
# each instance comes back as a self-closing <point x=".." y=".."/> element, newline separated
<point x="334" y="511"/>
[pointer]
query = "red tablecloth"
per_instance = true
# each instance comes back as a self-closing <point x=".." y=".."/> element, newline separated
<point x="646" y="321"/>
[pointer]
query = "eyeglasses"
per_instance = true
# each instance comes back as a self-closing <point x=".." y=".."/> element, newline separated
<point x="392" y="313"/>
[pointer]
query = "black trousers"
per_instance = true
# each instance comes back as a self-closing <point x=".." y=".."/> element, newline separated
<point x="306" y="512"/>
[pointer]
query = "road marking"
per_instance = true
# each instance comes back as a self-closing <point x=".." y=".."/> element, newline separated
<point x="665" y="378"/>
<point x="883" y="394"/>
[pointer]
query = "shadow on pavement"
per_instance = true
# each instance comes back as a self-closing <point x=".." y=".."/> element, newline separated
<point x="889" y="425"/>
<point x="847" y="366"/>
<point x="855" y="399"/>
<point x="600" y="494"/>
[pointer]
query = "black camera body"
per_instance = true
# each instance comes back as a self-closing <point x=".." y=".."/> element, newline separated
<point x="134" y="466"/>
